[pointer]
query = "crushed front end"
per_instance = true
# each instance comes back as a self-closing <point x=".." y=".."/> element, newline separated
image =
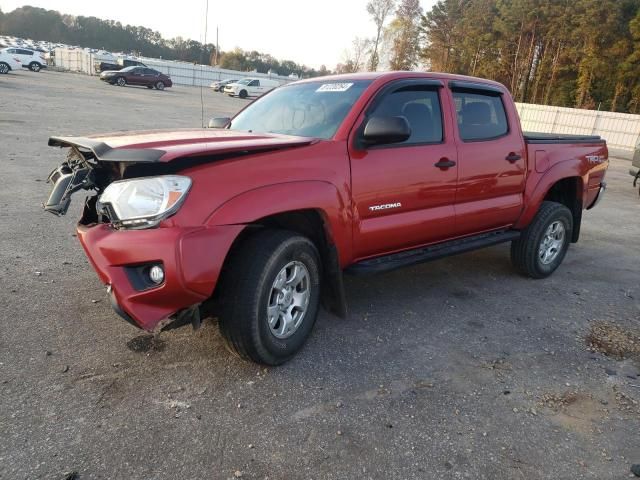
<point x="156" y="270"/>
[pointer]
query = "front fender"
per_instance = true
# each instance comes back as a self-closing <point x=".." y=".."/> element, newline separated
<point x="252" y="205"/>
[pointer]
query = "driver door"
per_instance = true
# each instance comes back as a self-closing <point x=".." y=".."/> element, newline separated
<point x="404" y="193"/>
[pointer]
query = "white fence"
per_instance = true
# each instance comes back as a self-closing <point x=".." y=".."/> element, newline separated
<point x="620" y="130"/>
<point x="181" y="73"/>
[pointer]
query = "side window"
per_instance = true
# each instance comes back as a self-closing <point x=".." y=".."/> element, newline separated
<point x="25" y="52"/>
<point x="149" y="71"/>
<point x="480" y="116"/>
<point x="12" y="50"/>
<point x="420" y="106"/>
<point x="254" y="83"/>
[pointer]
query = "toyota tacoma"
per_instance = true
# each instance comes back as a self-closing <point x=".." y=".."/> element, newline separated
<point x="257" y="218"/>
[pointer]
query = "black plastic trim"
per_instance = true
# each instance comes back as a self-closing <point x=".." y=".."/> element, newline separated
<point x="476" y="87"/>
<point x="559" y="138"/>
<point x="407" y="258"/>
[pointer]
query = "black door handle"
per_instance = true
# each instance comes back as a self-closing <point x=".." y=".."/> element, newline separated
<point x="445" y="163"/>
<point x="513" y="157"/>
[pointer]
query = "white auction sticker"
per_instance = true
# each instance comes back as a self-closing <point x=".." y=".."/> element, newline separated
<point x="334" y="87"/>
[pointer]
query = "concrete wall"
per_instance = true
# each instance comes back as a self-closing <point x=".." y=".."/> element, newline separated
<point x="620" y="130"/>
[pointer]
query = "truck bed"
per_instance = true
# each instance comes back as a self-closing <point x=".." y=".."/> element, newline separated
<point x="534" y="137"/>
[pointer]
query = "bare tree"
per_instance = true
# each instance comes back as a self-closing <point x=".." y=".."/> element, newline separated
<point x="379" y="11"/>
<point x="355" y="58"/>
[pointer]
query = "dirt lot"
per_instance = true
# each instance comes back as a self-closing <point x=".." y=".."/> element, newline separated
<point x="454" y="369"/>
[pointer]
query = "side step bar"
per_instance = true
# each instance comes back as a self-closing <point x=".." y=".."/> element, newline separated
<point x="433" y="252"/>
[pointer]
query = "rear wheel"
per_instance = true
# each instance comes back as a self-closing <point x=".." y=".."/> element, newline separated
<point x="35" y="66"/>
<point x="243" y="94"/>
<point x="121" y="82"/>
<point x="160" y="85"/>
<point x="270" y="296"/>
<point x="4" y="68"/>
<point x="544" y="243"/>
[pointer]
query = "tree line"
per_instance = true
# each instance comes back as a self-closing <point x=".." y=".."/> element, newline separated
<point x="572" y="53"/>
<point x="52" y="26"/>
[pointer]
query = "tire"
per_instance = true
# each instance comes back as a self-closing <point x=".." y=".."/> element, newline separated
<point x="160" y="85"/>
<point x="121" y="81"/>
<point x="4" y="68"/>
<point x="544" y="243"/>
<point x="268" y="274"/>
<point x="35" y="66"/>
<point x="243" y="94"/>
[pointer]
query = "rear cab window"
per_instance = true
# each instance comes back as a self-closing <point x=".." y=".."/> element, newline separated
<point x="480" y="115"/>
<point x="420" y="105"/>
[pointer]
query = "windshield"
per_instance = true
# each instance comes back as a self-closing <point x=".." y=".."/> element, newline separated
<point x="244" y="81"/>
<point x="127" y="69"/>
<point x="314" y="109"/>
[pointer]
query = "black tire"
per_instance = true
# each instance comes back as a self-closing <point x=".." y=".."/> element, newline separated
<point x="121" y="81"/>
<point x="526" y="253"/>
<point x="243" y="94"/>
<point x="248" y="288"/>
<point x="4" y="68"/>
<point x="160" y="85"/>
<point x="35" y="66"/>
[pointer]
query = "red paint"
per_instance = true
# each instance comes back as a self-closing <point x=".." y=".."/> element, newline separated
<point x="482" y="192"/>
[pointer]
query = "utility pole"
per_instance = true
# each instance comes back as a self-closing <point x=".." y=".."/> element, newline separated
<point x="217" y="48"/>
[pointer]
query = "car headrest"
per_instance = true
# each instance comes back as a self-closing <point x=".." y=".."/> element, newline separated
<point x="476" y="113"/>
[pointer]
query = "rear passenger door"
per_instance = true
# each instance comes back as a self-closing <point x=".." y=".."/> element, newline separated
<point x="491" y="158"/>
<point x="402" y="198"/>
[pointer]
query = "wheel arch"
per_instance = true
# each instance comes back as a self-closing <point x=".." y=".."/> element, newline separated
<point x="294" y="206"/>
<point x="566" y="188"/>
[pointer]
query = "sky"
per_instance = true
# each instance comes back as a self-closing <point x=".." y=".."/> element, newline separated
<point x="310" y="32"/>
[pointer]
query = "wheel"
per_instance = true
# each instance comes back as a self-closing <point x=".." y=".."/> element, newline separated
<point x="270" y="296"/>
<point x="149" y="86"/>
<point x="243" y="94"/>
<point x="544" y="243"/>
<point x="121" y="82"/>
<point x="34" y="67"/>
<point x="160" y="85"/>
<point x="4" y="68"/>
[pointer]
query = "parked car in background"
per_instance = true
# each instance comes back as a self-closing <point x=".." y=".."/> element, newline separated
<point x="219" y="85"/>
<point x="8" y="62"/>
<point x="122" y="63"/>
<point x="250" y="87"/>
<point x="34" y="61"/>
<point x="257" y="219"/>
<point x="142" y="76"/>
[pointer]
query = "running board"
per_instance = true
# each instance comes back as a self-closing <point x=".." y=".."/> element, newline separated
<point x="433" y="252"/>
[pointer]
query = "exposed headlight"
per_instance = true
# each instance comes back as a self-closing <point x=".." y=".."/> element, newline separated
<point x="144" y="202"/>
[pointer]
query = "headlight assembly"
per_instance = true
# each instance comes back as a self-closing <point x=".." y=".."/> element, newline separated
<point x="143" y="202"/>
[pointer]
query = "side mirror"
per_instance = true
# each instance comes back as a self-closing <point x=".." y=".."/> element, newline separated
<point x="219" y="122"/>
<point x="385" y="130"/>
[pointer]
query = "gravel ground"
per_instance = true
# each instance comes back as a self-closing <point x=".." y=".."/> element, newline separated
<point x="453" y="369"/>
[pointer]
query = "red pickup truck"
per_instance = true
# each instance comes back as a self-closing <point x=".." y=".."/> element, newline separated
<point x="256" y="219"/>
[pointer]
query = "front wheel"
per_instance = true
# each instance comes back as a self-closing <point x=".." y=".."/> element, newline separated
<point x="544" y="243"/>
<point x="34" y="66"/>
<point x="121" y="82"/>
<point x="160" y="85"/>
<point x="4" y="68"/>
<point x="243" y="94"/>
<point x="270" y="296"/>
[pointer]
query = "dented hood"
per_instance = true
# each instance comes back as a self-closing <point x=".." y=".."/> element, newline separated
<point x="166" y="145"/>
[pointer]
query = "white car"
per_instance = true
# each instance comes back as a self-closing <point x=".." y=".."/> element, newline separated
<point x="31" y="59"/>
<point x="8" y="62"/>
<point x="250" y="87"/>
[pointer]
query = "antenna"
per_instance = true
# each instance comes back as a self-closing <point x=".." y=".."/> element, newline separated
<point x="204" y="46"/>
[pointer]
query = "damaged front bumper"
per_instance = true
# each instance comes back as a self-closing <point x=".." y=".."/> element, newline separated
<point x="191" y="259"/>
